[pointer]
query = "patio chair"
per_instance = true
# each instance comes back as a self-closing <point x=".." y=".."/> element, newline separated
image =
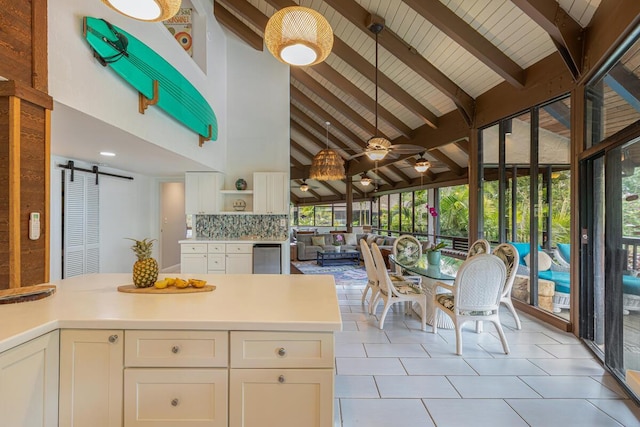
<point x="509" y="256"/>
<point x="372" y="275"/>
<point x="393" y="289"/>
<point x="475" y="296"/>
<point x="480" y="246"/>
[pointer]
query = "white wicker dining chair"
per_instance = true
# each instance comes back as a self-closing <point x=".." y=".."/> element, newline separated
<point x="372" y="276"/>
<point x="509" y="256"/>
<point x="480" y="246"/>
<point x="395" y="289"/>
<point x="475" y="296"/>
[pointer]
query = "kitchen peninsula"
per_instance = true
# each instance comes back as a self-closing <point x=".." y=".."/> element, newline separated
<point x="256" y="351"/>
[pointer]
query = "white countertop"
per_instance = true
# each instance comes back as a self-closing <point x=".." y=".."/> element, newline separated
<point x="247" y="240"/>
<point x="240" y="302"/>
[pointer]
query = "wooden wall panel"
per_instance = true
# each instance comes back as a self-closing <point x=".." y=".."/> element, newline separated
<point x="16" y="62"/>
<point x="32" y="192"/>
<point x="4" y="193"/>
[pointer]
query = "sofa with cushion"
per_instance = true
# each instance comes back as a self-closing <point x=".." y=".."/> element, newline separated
<point x="309" y="244"/>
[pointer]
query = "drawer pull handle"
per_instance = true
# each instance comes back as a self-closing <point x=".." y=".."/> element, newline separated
<point x="281" y="379"/>
<point x="175" y="402"/>
<point x="113" y="339"/>
<point x="175" y="349"/>
<point x="282" y="352"/>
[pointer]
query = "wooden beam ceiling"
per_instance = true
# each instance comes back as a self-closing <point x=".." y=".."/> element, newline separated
<point x="462" y="33"/>
<point x="397" y="47"/>
<point x="236" y="26"/>
<point x="564" y="31"/>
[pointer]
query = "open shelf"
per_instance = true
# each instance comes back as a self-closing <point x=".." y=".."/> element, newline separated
<point x="236" y="192"/>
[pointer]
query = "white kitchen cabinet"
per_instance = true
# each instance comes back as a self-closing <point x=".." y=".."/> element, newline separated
<point x="176" y="378"/>
<point x="91" y="369"/>
<point x="29" y="383"/>
<point x="162" y="397"/>
<point x="202" y="192"/>
<point x="216" y="258"/>
<point x="270" y="190"/>
<point x="239" y="258"/>
<point x="281" y="379"/>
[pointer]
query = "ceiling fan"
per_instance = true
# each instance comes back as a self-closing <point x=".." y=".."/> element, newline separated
<point x="366" y="181"/>
<point x="304" y="187"/>
<point x="379" y="147"/>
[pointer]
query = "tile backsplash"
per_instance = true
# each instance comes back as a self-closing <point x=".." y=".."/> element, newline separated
<point x="240" y="226"/>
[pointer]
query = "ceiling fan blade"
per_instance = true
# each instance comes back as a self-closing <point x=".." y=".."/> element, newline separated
<point x="357" y="155"/>
<point x="406" y="149"/>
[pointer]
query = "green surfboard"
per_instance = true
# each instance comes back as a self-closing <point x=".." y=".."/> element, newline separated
<point x="157" y="82"/>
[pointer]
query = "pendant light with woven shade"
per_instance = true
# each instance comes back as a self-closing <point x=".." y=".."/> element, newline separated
<point x="298" y="36"/>
<point x="327" y="165"/>
<point x="145" y="10"/>
<point x="377" y="146"/>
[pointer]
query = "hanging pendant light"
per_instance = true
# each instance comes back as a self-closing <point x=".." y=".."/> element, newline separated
<point x="365" y="180"/>
<point x="327" y="165"/>
<point x="298" y="36"/>
<point x="422" y="165"/>
<point x="378" y="146"/>
<point x="145" y="10"/>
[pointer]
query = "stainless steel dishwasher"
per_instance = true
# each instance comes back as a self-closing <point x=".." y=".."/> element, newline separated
<point x="266" y="258"/>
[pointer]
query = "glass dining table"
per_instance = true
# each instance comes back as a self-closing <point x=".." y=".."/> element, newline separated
<point x="444" y="272"/>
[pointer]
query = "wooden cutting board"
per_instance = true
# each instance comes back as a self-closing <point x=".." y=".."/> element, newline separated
<point x="27" y="293"/>
<point x="131" y="289"/>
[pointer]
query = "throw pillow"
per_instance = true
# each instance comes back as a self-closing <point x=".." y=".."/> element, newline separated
<point x="371" y="238"/>
<point x="317" y="240"/>
<point x="350" y="239"/>
<point x="544" y="261"/>
<point x="380" y="241"/>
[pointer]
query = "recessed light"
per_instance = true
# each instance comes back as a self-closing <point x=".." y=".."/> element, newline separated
<point x="107" y="154"/>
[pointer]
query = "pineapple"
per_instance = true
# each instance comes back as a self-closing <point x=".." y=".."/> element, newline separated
<point x="145" y="270"/>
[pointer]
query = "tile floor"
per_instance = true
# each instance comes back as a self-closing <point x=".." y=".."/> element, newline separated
<point x="401" y="376"/>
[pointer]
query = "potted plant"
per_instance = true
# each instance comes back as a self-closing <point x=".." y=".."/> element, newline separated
<point x="337" y="242"/>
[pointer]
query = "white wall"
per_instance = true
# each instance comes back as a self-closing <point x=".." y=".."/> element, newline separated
<point x="77" y="80"/>
<point x="258" y="107"/>
<point x="248" y="90"/>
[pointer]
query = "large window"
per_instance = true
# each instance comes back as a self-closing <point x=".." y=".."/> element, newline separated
<point x="526" y="197"/>
<point x="454" y="211"/>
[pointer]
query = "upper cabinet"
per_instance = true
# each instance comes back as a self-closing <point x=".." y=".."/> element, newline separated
<point x="202" y="192"/>
<point x="270" y="191"/>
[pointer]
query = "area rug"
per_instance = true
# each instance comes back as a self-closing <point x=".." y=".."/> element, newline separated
<point x="343" y="274"/>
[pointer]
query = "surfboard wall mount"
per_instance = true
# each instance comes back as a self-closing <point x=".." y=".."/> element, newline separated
<point x="157" y="82"/>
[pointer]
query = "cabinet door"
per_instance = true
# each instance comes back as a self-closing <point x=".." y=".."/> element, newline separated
<point x="91" y="378"/>
<point x="239" y="264"/>
<point x="260" y="196"/>
<point x="270" y="191"/>
<point x="191" y="193"/>
<point x="193" y="263"/>
<point x="209" y="192"/>
<point x="29" y="383"/>
<point x="202" y="192"/>
<point x="164" y="397"/>
<point x="281" y="397"/>
<point x="278" y="189"/>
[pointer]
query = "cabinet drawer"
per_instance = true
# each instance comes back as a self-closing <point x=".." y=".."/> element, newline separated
<point x="281" y="350"/>
<point x="175" y="397"/>
<point x="215" y="248"/>
<point x="193" y="248"/>
<point x="215" y="262"/>
<point x="239" y="248"/>
<point x="281" y="397"/>
<point x="176" y="348"/>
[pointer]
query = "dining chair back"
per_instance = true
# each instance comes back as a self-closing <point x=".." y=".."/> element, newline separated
<point x="509" y="256"/>
<point x="407" y="250"/>
<point x="480" y="246"/>
<point x="396" y="289"/>
<point x="474" y="296"/>
<point x="372" y="276"/>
